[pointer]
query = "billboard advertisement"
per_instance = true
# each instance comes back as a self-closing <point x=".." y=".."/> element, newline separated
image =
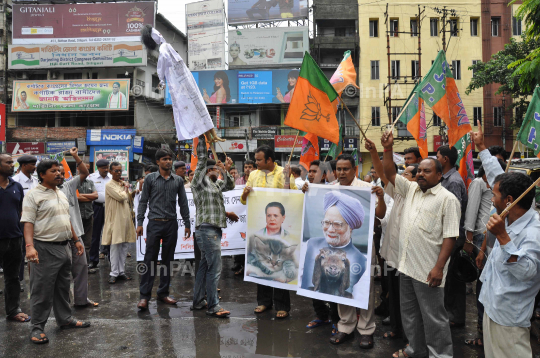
<point x="206" y="35"/>
<point x="120" y="156"/>
<point x="69" y="23"/>
<point x="25" y="148"/>
<point x="267" y="46"/>
<point x="254" y="87"/>
<point x="246" y="11"/>
<point x="71" y="95"/>
<point x="96" y="54"/>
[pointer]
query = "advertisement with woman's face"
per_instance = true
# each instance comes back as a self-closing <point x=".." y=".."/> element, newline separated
<point x="218" y="87"/>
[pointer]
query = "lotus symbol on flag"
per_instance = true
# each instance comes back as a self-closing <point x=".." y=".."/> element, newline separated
<point x="312" y="112"/>
<point x="306" y="148"/>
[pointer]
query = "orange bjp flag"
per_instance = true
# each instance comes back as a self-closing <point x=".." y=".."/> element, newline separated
<point x="314" y="103"/>
<point x="310" y="150"/>
<point x="345" y="74"/>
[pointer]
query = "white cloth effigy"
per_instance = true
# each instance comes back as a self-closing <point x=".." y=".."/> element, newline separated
<point x="191" y="117"/>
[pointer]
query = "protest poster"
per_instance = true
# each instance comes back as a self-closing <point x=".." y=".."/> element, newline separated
<point x="120" y="156"/>
<point x="337" y="238"/>
<point x="274" y="236"/>
<point x="233" y="241"/>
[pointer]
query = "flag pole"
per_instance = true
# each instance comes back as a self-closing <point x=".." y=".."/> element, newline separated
<point x="505" y="212"/>
<point x="294" y="145"/>
<point x="511" y="156"/>
<point x="400" y="113"/>
<point x="358" y="125"/>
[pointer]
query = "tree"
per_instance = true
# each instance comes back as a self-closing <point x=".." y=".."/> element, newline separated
<point x="528" y="68"/>
<point x="497" y="70"/>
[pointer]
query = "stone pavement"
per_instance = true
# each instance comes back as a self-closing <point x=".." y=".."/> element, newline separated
<point x="119" y="330"/>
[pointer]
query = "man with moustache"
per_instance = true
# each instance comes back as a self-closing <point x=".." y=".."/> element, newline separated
<point x="412" y="156"/>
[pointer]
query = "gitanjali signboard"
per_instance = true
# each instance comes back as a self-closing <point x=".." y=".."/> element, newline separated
<point x="69" y="23"/>
<point x="284" y="143"/>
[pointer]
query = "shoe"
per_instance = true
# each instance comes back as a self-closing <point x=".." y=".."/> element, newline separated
<point x="112" y="280"/>
<point x="386" y="321"/>
<point x="366" y="342"/>
<point x="143" y="304"/>
<point x="92" y="271"/>
<point x="123" y="277"/>
<point x="167" y="300"/>
<point x="93" y="265"/>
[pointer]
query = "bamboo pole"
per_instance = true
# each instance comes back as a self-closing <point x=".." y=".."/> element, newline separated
<point x="355" y="121"/>
<point x="511" y="156"/>
<point x="400" y="113"/>
<point x="292" y="150"/>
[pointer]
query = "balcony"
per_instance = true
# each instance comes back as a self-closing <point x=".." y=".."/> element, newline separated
<point x="336" y="42"/>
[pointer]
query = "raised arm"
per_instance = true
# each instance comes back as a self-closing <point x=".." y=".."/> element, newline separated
<point x="377" y="164"/>
<point x="387" y="141"/>
<point x="83" y="170"/>
<point x="489" y="162"/>
<point x="200" y="171"/>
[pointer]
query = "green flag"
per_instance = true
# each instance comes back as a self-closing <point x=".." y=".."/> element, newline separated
<point x="530" y="128"/>
<point x="336" y="150"/>
<point x="355" y="156"/>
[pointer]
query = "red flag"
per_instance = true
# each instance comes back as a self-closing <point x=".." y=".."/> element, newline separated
<point x="310" y="150"/>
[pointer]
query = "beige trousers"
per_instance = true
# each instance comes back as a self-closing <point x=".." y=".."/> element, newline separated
<point x="503" y="342"/>
<point x="365" y="324"/>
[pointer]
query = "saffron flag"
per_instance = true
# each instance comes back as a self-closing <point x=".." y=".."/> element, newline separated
<point x="438" y="89"/>
<point x="345" y="74"/>
<point x="310" y="150"/>
<point x="529" y="133"/>
<point x="194" y="158"/>
<point x="59" y="157"/>
<point x="314" y="103"/>
<point x="465" y="159"/>
<point x="336" y="149"/>
<point x="414" y="117"/>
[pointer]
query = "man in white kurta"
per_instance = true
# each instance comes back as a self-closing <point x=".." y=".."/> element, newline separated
<point x="116" y="99"/>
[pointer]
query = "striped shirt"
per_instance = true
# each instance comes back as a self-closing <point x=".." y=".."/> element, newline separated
<point x="426" y="220"/>
<point x="208" y="195"/>
<point x="162" y="194"/>
<point x="48" y="210"/>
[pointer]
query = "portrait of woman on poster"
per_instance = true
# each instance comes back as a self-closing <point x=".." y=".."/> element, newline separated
<point x="222" y="93"/>
<point x="292" y="78"/>
<point x="234" y="52"/>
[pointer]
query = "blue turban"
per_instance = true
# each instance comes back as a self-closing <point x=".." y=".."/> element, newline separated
<point x="350" y="208"/>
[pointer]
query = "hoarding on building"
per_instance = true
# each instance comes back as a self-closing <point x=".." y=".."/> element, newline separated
<point x="267" y="46"/>
<point x="112" y="155"/>
<point x="206" y="35"/>
<point x="95" y="54"/>
<point x="25" y="148"/>
<point x="245" y="86"/>
<point x="264" y="132"/>
<point x="60" y="146"/>
<point x="71" y="95"/>
<point x="284" y="143"/>
<point x="248" y="11"/>
<point x="236" y="145"/>
<point x="66" y="23"/>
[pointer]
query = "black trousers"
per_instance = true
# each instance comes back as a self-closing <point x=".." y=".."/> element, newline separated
<point x="11" y="258"/>
<point x="323" y="312"/>
<point x="455" y="294"/>
<point x="392" y="279"/>
<point x="197" y="253"/>
<point x="269" y="296"/>
<point x="166" y="233"/>
<point x="99" y="220"/>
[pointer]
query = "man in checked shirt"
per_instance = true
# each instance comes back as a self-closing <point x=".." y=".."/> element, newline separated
<point x="211" y="218"/>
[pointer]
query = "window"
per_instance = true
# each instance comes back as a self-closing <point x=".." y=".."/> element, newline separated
<point x="38" y="77"/>
<point x="73" y="76"/>
<point x="497" y="116"/>
<point x="414" y="69"/>
<point x="474" y="62"/>
<point x="414" y="28"/>
<point x="394" y="27"/>
<point x="519" y="116"/>
<point x="373" y="28"/>
<point x="340" y="31"/>
<point x="436" y="120"/>
<point x="374" y="70"/>
<point x="474" y="26"/>
<point x="456" y="69"/>
<point x="453" y="27"/>
<point x="516" y="26"/>
<point x="434" y="27"/>
<point x="376" y="116"/>
<point x="495" y="24"/>
<point x="395" y="69"/>
<point x="395" y="113"/>
<point x="477" y="115"/>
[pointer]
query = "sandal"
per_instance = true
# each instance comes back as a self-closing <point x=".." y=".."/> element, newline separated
<point x="341" y="337"/>
<point x="477" y="342"/>
<point x="400" y="353"/>
<point x="90" y="303"/>
<point x="75" y="324"/>
<point x="38" y="337"/>
<point x="317" y="323"/>
<point x="390" y="335"/>
<point x="224" y="313"/>
<point x="19" y="317"/>
<point x="239" y="272"/>
<point x="201" y="306"/>
<point x="282" y="314"/>
<point x="261" y="309"/>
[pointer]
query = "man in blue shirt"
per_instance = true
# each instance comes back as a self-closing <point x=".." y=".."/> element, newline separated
<point x="11" y="236"/>
<point x="510" y="277"/>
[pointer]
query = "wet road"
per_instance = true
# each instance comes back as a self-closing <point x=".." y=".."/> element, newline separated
<point x="119" y="330"/>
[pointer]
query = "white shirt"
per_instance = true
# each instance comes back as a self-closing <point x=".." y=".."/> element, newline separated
<point x="299" y="183"/>
<point x="99" y="183"/>
<point x="27" y="183"/>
